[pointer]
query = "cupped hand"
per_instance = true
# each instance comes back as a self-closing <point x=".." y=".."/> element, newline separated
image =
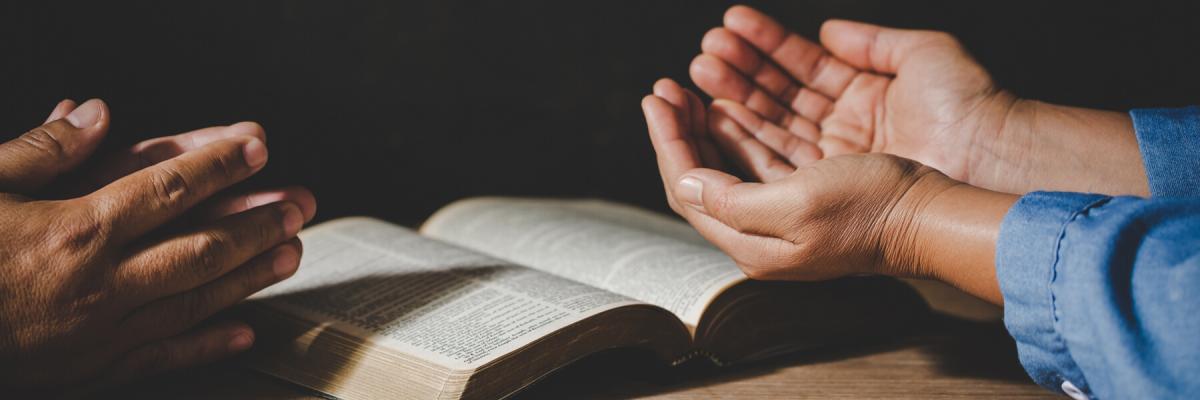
<point x="96" y="290"/>
<point x="915" y="94"/>
<point x="843" y="215"/>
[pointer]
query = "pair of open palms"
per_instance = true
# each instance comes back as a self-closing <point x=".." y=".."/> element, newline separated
<point x="849" y="140"/>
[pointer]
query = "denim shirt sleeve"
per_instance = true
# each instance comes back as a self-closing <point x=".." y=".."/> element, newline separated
<point x="1169" y="140"/>
<point x="1100" y="293"/>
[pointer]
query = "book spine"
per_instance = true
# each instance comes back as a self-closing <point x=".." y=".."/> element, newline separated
<point x="697" y="353"/>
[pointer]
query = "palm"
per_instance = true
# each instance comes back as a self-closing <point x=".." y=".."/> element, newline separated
<point x="917" y="96"/>
<point x="928" y="111"/>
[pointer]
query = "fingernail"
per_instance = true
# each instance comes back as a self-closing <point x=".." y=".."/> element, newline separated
<point x="691" y="191"/>
<point x="255" y="153"/>
<point x="293" y="219"/>
<point x="286" y="262"/>
<point x="241" y="340"/>
<point x="86" y="115"/>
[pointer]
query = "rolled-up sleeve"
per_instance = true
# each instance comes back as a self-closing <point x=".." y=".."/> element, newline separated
<point x="1169" y="140"/>
<point x="1102" y="294"/>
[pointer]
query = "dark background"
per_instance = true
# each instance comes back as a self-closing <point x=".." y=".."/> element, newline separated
<point x="394" y="108"/>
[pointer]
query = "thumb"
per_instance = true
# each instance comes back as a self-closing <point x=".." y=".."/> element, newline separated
<point x="879" y="48"/>
<point x="34" y="159"/>
<point x="747" y="207"/>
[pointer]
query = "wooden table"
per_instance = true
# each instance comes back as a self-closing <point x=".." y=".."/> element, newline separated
<point x="943" y="357"/>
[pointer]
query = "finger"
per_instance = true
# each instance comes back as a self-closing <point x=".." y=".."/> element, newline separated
<point x="198" y="347"/>
<point x="807" y="62"/>
<point x="733" y="50"/>
<point x="670" y="91"/>
<point x="191" y="259"/>
<point x="751" y="154"/>
<point x="709" y="155"/>
<point x="721" y="81"/>
<point x="692" y="129"/>
<point x="675" y="158"/>
<point x="698" y="121"/>
<point x="61" y="110"/>
<point x="879" y="48"/>
<point x="32" y="160"/>
<point x="232" y="204"/>
<point x="170" y="315"/>
<point x="149" y="198"/>
<point x="798" y="150"/>
<point x="154" y="151"/>
<point x="674" y="151"/>
<point x="728" y="47"/>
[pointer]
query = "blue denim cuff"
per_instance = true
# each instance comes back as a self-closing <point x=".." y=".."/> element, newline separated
<point x="1027" y="255"/>
<point x="1169" y="140"/>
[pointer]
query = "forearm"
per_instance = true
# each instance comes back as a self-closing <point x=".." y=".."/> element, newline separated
<point x="1070" y="149"/>
<point x="959" y="236"/>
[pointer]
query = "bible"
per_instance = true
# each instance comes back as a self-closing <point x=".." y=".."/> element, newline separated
<point x="493" y="294"/>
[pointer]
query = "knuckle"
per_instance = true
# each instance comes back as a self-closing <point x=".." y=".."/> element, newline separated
<point x="206" y="252"/>
<point x="223" y="166"/>
<point x="170" y="186"/>
<point x="41" y="140"/>
<point x="723" y="206"/>
<point x="721" y="202"/>
<point x="77" y="231"/>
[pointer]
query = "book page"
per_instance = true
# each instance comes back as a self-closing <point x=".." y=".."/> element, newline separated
<point x="629" y="251"/>
<point x="445" y="304"/>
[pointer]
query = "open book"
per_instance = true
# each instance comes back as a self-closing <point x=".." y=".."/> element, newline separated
<point x="494" y="294"/>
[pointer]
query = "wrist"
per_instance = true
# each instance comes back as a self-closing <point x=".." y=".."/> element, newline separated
<point x="1003" y="144"/>
<point x="1043" y="146"/>
<point x="947" y="230"/>
<point x="901" y="251"/>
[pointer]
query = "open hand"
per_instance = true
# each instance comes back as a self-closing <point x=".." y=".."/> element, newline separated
<point x="116" y="283"/>
<point x="843" y="215"/>
<point x="915" y="94"/>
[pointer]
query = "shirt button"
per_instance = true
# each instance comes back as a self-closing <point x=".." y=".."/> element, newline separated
<point x="1073" y="391"/>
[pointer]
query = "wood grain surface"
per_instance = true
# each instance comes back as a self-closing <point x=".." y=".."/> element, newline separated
<point x="940" y="357"/>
